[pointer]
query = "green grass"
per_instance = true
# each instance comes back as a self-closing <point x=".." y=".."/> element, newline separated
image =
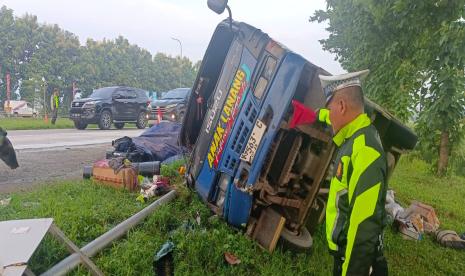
<point x="84" y="211"/>
<point x="34" y="123"/>
<point x="37" y="123"/>
<point x="413" y="180"/>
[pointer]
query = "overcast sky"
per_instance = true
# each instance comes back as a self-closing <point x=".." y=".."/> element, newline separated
<point x="151" y="23"/>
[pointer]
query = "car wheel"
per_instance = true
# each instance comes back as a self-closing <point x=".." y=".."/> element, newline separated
<point x="34" y="115"/>
<point x="15" y="114"/>
<point x="119" y="125"/>
<point x="80" y="125"/>
<point x="299" y="242"/>
<point x="141" y="121"/>
<point x="105" y="120"/>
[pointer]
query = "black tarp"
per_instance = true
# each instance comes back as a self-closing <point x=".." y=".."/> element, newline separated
<point x="157" y="143"/>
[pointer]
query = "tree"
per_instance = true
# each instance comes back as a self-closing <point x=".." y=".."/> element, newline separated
<point x="55" y="62"/>
<point x="42" y="56"/>
<point x="172" y="72"/>
<point x="415" y="51"/>
<point x="18" y="38"/>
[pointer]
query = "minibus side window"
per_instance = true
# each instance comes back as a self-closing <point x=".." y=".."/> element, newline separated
<point x="265" y="77"/>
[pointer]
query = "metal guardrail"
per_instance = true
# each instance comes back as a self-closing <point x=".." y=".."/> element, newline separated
<point x="97" y="245"/>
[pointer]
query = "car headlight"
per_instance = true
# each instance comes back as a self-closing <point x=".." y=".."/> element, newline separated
<point x="90" y="104"/>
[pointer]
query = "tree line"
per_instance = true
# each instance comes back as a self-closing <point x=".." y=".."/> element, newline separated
<point x="41" y="57"/>
<point x="415" y="51"/>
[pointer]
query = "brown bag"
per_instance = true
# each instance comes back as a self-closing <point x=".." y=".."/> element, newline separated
<point x="449" y="238"/>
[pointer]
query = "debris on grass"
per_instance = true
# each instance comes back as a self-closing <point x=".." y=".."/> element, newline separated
<point x="157" y="187"/>
<point x="416" y="220"/>
<point x="197" y="217"/>
<point x="419" y="211"/>
<point x="393" y="209"/>
<point x="124" y="178"/>
<point x="163" y="261"/>
<point x="408" y="230"/>
<point x="449" y="238"/>
<point x="231" y="258"/>
<point x="420" y="218"/>
<point x="5" y="202"/>
<point x="31" y="204"/>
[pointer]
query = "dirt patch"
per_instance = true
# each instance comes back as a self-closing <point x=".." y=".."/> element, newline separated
<point x="48" y="166"/>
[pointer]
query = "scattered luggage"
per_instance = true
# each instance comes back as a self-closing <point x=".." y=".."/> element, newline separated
<point x="125" y="178"/>
<point x="449" y="238"/>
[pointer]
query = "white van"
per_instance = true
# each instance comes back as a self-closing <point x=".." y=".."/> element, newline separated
<point x="20" y="109"/>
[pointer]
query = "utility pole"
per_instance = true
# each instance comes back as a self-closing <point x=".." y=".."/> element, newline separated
<point x="45" y="102"/>
<point x="74" y="92"/>
<point x="180" y="63"/>
<point x="2" y="105"/>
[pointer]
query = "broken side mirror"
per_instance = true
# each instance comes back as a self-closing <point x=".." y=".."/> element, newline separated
<point x="217" y="6"/>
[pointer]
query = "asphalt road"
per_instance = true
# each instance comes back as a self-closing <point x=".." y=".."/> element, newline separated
<point x="46" y="156"/>
<point x="53" y="138"/>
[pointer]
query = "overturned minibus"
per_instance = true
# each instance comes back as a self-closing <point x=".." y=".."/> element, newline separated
<point x="245" y="162"/>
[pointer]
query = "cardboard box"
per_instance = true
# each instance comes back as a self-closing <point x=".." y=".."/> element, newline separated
<point x="126" y="178"/>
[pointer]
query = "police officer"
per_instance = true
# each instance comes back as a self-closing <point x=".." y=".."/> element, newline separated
<point x="355" y="214"/>
<point x="54" y="104"/>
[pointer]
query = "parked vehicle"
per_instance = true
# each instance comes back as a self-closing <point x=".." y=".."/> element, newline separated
<point x="246" y="163"/>
<point x="111" y="105"/>
<point x="171" y="106"/>
<point x="20" y="109"/>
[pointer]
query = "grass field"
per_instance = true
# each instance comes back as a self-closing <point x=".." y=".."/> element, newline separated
<point x="84" y="211"/>
<point x="34" y="123"/>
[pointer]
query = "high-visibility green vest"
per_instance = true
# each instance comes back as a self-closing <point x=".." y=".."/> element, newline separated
<point x="355" y="214"/>
<point x="55" y="102"/>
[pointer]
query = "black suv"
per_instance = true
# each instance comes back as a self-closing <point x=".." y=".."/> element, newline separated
<point x="109" y="105"/>
<point x="172" y="105"/>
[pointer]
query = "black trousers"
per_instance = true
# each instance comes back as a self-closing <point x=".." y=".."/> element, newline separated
<point x="54" y="115"/>
<point x="379" y="266"/>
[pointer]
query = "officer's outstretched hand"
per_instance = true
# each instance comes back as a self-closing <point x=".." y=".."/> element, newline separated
<point x="323" y="116"/>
